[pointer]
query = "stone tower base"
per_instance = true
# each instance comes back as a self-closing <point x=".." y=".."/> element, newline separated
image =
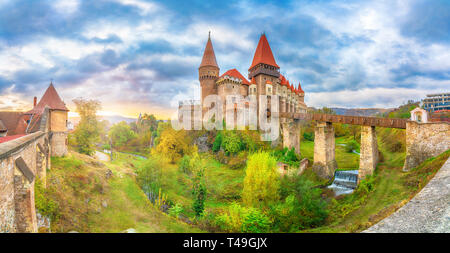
<point x="58" y="143"/>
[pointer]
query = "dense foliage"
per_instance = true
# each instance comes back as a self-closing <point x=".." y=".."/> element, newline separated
<point x="262" y="181"/>
<point x="87" y="132"/>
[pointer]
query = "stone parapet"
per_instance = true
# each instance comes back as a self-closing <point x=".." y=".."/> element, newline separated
<point x="425" y="140"/>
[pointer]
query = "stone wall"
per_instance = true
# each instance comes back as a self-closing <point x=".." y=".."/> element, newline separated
<point x="324" y="150"/>
<point x="369" y="152"/>
<point x="58" y="143"/>
<point x="425" y="140"/>
<point x="17" y="210"/>
<point x="291" y="135"/>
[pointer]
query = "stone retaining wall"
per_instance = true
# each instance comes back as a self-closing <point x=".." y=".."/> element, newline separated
<point x="17" y="211"/>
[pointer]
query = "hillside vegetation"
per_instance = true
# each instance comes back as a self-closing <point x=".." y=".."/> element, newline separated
<point x="85" y="195"/>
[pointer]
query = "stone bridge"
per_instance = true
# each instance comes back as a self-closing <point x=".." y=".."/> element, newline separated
<point x="423" y="140"/>
<point x="21" y="161"/>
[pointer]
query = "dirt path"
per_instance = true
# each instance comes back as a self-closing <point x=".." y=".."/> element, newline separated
<point x="101" y="156"/>
<point x="427" y="212"/>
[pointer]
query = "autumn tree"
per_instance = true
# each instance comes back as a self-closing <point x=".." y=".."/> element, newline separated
<point x="262" y="181"/>
<point x="172" y="144"/>
<point x="121" y="134"/>
<point x="88" y="129"/>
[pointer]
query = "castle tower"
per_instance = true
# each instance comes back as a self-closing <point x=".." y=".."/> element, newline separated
<point x="51" y="115"/>
<point x="208" y="72"/>
<point x="264" y="70"/>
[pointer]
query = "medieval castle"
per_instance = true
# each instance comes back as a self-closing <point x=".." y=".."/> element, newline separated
<point x="264" y="75"/>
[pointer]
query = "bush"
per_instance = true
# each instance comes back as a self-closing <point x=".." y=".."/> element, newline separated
<point x="149" y="177"/>
<point x="45" y="205"/>
<point x="185" y="164"/>
<point x="351" y="146"/>
<point x="308" y="136"/>
<point x="198" y="185"/>
<point x="217" y="142"/>
<point x="176" y="210"/>
<point x="291" y="156"/>
<point x="243" y="219"/>
<point x="262" y="181"/>
<point x="238" y="161"/>
<point x="232" y="143"/>
<point x="303" y="206"/>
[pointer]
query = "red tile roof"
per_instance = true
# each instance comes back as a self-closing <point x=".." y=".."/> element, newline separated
<point x="283" y="80"/>
<point x="50" y="99"/>
<point x="263" y="53"/>
<point x="300" y="88"/>
<point x="10" y="138"/>
<point x="253" y="80"/>
<point x="14" y="122"/>
<point x="235" y="73"/>
<point x="209" y="58"/>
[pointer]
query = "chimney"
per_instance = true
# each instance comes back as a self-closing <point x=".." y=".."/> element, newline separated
<point x="35" y="102"/>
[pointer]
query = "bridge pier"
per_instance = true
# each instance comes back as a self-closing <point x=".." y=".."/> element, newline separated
<point x="324" y="150"/>
<point x="369" y="152"/>
<point x="291" y="135"/>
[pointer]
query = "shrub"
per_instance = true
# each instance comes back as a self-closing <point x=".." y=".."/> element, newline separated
<point x="149" y="177"/>
<point x="303" y="206"/>
<point x="198" y="185"/>
<point x="238" y="161"/>
<point x="308" y="136"/>
<point x="243" y="219"/>
<point x="291" y="156"/>
<point x="232" y="143"/>
<point x="217" y="142"/>
<point x="176" y="210"/>
<point x="45" y="205"/>
<point x="184" y="164"/>
<point x="261" y="182"/>
<point x="351" y="145"/>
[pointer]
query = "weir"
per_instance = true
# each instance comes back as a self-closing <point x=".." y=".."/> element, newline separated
<point x="345" y="181"/>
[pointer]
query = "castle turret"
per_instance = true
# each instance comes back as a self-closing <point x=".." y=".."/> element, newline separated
<point x="51" y="115"/>
<point x="208" y="72"/>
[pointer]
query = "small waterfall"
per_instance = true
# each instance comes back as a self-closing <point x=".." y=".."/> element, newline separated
<point x="345" y="181"/>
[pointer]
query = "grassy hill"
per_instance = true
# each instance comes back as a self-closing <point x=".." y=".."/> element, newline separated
<point x="85" y="195"/>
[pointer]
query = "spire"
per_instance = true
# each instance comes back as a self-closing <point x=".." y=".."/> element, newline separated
<point x="263" y="53"/>
<point x="300" y="88"/>
<point x="50" y="99"/>
<point x="209" y="58"/>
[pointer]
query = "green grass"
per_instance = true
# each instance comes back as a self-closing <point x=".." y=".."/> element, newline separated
<point x="78" y="185"/>
<point x="223" y="184"/>
<point x="344" y="159"/>
<point x="392" y="188"/>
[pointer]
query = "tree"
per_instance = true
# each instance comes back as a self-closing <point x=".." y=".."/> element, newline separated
<point x="172" y="144"/>
<point x="262" y="181"/>
<point x="121" y="134"/>
<point x="198" y="185"/>
<point x="88" y="129"/>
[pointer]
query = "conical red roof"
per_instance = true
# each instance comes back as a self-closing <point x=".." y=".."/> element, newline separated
<point x="235" y="73"/>
<point x="263" y="53"/>
<point x="50" y="99"/>
<point x="209" y="58"/>
<point x="300" y="88"/>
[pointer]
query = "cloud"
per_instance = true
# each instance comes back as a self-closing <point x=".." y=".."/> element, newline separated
<point x="143" y="55"/>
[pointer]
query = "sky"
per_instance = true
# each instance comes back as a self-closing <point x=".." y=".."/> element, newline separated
<point x="143" y="56"/>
